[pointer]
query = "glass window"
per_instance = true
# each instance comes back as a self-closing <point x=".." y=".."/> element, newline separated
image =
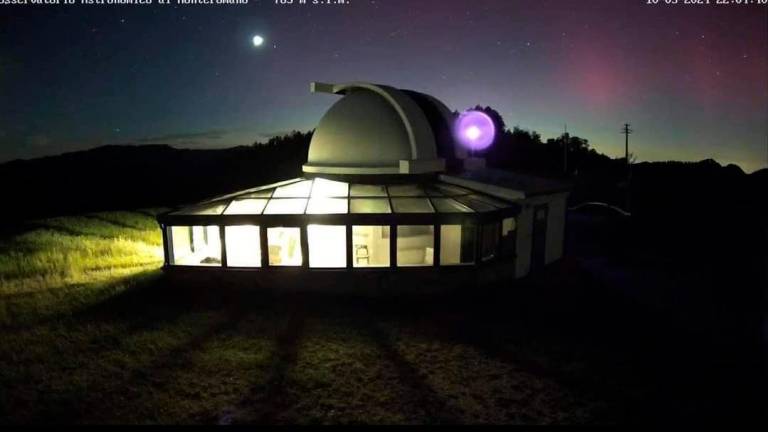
<point x="295" y="190"/>
<point x="433" y="191"/>
<point x="451" y="190"/>
<point x="415" y="245"/>
<point x="406" y="191"/>
<point x="359" y="190"/>
<point x="243" y="246"/>
<point x="246" y="207"/>
<point x="508" y="237"/>
<point x="507" y="226"/>
<point x="457" y="244"/>
<point x="256" y="195"/>
<point x="449" y="205"/>
<point x="327" y="206"/>
<point x="327" y="189"/>
<point x="284" y="247"/>
<point x="327" y="246"/>
<point x="286" y="206"/>
<point x="490" y="241"/>
<point x="488" y="200"/>
<point x="370" y="246"/>
<point x="369" y="205"/>
<point x="204" y="209"/>
<point x="478" y="206"/>
<point x="196" y="245"/>
<point x="412" y="205"/>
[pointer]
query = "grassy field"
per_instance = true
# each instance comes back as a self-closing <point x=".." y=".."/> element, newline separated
<point x="58" y="265"/>
<point x="93" y="332"/>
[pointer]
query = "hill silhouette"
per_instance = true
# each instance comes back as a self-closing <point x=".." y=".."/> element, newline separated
<point x="133" y="176"/>
<point x="138" y="176"/>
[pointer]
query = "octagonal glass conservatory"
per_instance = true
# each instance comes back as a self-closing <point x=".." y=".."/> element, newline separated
<point x="317" y="223"/>
<point x="375" y="197"/>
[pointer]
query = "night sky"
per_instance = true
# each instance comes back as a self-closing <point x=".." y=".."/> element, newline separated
<point x="692" y="80"/>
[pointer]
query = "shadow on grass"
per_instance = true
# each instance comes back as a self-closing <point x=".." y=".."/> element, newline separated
<point x="263" y="403"/>
<point x="25" y="309"/>
<point x="436" y="408"/>
<point x="114" y="352"/>
<point x="159" y="371"/>
<point x="620" y="364"/>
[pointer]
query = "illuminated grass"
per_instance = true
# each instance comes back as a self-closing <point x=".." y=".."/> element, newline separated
<point x="60" y="264"/>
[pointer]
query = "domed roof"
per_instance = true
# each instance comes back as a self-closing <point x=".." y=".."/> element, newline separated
<point x="373" y="129"/>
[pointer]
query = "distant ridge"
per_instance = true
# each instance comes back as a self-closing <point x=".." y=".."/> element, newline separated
<point x="125" y="176"/>
<point x="132" y="176"/>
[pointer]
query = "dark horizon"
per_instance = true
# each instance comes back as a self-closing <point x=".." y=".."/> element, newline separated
<point x="287" y="133"/>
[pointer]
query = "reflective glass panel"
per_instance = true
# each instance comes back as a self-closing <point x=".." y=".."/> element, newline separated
<point x="457" y="244"/>
<point x="327" y="206"/>
<point x="196" y="245"/>
<point x="412" y="205"/>
<point x="359" y="190"/>
<point x="451" y="190"/>
<point x="327" y="246"/>
<point x="415" y="246"/>
<point x="243" y="246"/>
<point x="286" y="206"/>
<point x="284" y="247"/>
<point x="478" y="206"/>
<point x="508" y="237"/>
<point x="370" y="246"/>
<point x="450" y="205"/>
<point x="488" y="200"/>
<point x="255" y="195"/>
<point x="507" y="226"/>
<point x="406" y="191"/>
<point x="369" y="205"/>
<point x="296" y="190"/>
<point x="204" y="209"/>
<point x="326" y="188"/>
<point x="246" y="207"/>
<point x="490" y="241"/>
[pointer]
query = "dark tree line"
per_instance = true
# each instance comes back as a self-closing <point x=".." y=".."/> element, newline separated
<point x="595" y="176"/>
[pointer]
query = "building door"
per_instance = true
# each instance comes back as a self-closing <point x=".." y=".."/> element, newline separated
<point x="539" y="247"/>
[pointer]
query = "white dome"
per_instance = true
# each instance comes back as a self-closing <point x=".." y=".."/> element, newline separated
<point x="373" y="129"/>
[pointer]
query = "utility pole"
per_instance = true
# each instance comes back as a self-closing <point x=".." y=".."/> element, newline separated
<point x="627" y="131"/>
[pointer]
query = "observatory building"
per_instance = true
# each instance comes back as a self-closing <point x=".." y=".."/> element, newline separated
<point x="376" y="198"/>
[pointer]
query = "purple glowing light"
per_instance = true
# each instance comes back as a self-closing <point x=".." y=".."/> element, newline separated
<point x="475" y="130"/>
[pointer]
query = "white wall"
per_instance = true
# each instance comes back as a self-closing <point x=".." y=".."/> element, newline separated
<point x="555" y="227"/>
<point x="524" y="239"/>
<point x="555" y="230"/>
